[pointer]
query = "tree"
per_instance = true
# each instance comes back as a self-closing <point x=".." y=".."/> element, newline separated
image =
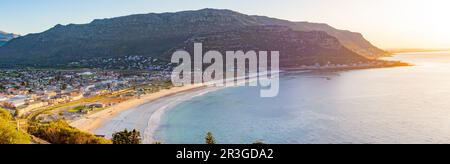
<point x="2" y="88"/>
<point x="127" y="137"/>
<point x="157" y="143"/>
<point x="24" y="83"/>
<point x="259" y="142"/>
<point x="210" y="138"/>
<point x="64" y="86"/>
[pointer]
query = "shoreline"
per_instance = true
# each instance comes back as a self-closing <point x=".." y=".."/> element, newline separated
<point x="94" y="121"/>
<point x="349" y="68"/>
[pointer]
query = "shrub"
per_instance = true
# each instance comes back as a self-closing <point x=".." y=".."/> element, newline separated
<point x="59" y="132"/>
<point x="8" y="131"/>
<point x="5" y="114"/>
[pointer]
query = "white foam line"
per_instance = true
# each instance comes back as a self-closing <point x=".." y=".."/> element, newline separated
<point x="154" y="121"/>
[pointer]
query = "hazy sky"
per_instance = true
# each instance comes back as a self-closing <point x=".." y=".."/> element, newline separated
<point x="386" y="23"/>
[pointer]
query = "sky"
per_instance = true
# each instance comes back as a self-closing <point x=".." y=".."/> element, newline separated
<point x="387" y="24"/>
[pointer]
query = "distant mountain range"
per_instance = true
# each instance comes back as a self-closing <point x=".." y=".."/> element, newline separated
<point x="158" y="35"/>
<point x="5" y="37"/>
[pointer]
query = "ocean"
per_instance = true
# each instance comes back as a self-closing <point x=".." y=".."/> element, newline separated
<point x="385" y="105"/>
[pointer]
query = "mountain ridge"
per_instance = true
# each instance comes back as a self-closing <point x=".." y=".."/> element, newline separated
<point x="5" y="37"/>
<point x="142" y="34"/>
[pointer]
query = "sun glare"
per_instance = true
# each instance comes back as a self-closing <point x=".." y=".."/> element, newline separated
<point x="441" y="23"/>
<point x="406" y="23"/>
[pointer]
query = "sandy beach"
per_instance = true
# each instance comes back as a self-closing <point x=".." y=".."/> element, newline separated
<point x="91" y="122"/>
<point x="143" y="114"/>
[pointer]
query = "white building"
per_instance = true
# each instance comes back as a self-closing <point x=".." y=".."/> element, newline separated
<point x="16" y="101"/>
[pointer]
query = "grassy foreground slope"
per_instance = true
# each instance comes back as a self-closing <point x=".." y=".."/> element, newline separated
<point x="9" y="134"/>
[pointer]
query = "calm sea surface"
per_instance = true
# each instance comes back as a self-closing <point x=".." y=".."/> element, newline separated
<point x="388" y="105"/>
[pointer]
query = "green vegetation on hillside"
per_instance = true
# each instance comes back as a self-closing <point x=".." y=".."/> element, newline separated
<point x="60" y="132"/>
<point x="9" y="134"/>
<point x="4" y="114"/>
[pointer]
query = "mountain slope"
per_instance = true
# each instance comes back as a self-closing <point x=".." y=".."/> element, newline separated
<point x="296" y="48"/>
<point x="146" y="34"/>
<point x="352" y="40"/>
<point x="5" y="37"/>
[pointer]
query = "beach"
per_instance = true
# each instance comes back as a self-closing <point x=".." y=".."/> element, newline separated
<point x="144" y="114"/>
<point x="93" y="121"/>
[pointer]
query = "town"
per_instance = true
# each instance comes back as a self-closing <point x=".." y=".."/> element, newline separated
<point x="47" y="95"/>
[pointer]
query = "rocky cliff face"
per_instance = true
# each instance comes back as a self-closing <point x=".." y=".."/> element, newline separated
<point x="351" y="40"/>
<point x="156" y="35"/>
<point x="296" y="48"/>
